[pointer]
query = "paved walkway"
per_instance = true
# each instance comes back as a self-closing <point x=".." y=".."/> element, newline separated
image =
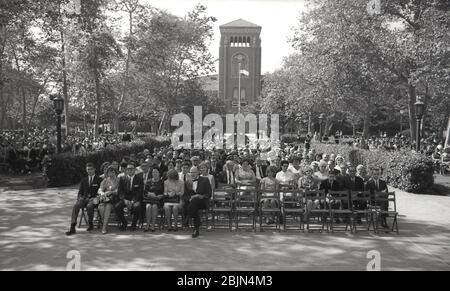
<point x="33" y="222"/>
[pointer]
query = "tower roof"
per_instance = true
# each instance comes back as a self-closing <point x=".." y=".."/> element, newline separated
<point x="240" y="23"/>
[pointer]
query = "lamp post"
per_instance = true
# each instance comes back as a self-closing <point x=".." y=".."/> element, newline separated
<point x="58" y="103"/>
<point x="420" y="107"/>
<point x="402" y="112"/>
<point x="321" y="119"/>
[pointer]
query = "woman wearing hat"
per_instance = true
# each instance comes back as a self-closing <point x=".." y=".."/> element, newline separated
<point x="108" y="195"/>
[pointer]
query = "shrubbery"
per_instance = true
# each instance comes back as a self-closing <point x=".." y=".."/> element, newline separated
<point x="405" y="170"/>
<point x="67" y="169"/>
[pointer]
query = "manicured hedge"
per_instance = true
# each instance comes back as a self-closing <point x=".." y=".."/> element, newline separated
<point x="68" y="169"/>
<point x="404" y="170"/>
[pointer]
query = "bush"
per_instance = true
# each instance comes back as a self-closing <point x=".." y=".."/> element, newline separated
<point x="68" y="169"/>
<point x="404" y="170"/>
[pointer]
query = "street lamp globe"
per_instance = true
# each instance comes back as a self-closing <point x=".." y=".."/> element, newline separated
<point x="321" y="117"/>
<point x="420" y="108"/>
<point x="58" y="103"/>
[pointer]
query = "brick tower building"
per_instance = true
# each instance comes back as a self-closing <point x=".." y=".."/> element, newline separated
<point x="240" y="54"/>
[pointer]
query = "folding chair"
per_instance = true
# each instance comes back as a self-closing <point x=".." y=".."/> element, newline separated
<point x="293" y="205"/>
<point x="383" y="199"/>
<point x="360" y="204"/>
<point x="83" y="217"/>
<point x="342" y="199"/>
<point x="223" y="204"/>
<point x="266" y="212"/>
<point x="321" y="212"/>
<point x="246" y="203"/>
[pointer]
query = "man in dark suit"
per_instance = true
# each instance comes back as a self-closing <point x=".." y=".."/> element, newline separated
<point x="126" y="137"/>
<point x="375" y="184"/>
<point x="199" y="191"/>
<point x="332" y="184"/>
<point x="86" y="195"/>
<point x="354" y="183"/>
<point x="131" y="189"/>
<point x="158" y="164"/>
<point x="260" y="169"/>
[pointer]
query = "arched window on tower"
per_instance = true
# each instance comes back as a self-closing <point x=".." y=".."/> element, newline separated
<point x="235" y="95"/>
<point x="243" y="95"/>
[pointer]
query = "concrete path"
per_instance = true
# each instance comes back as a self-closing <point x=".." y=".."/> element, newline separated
<point x="33" y="222"/>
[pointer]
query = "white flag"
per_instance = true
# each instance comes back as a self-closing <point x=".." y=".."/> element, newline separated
<point x="245" y="72"/>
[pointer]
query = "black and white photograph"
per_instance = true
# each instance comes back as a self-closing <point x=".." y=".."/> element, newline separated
<point x="204" y="137"/>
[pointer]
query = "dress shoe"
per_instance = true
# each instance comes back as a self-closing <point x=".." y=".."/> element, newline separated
<point x="72" y="230"/>
<point x="90" y="228"/>
<point x="196" y="233"/>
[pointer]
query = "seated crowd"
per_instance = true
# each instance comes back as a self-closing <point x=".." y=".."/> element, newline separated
<point x="173" y="182"/>
<point x="24" y="154"/>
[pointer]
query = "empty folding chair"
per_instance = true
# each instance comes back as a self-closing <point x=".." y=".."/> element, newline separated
<point x="222" y="205"/>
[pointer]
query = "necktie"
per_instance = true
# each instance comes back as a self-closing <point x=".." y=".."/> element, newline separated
<point x="131" y="183"/>
<point x="90" y="181"/>
<point x="184" y="177"/>
<point x="376" y="185"/>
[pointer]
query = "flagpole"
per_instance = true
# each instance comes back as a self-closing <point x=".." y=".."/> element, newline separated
<point x="239" y="106"/>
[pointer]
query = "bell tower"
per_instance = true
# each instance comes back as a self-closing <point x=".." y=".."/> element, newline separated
<point x="239" y="64"/>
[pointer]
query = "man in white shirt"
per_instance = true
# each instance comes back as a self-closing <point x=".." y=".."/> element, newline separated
<point x="322" y="174"/>
<point x="295" y="168"/>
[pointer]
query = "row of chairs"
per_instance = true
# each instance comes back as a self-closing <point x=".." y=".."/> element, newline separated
<point x="293" y="209"/>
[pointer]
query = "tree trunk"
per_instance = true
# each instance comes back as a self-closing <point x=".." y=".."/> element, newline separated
<point x="412" y="112"/>
<point x="65" y="89"/>
<point x="309" y="123"/>
<point x="2" y="100"/>
<point x="98" y="104"/>
<point x="161" y="124"/>
<point x="24" y="112"/>
<point x="367" y="120"/>
<point x="125" y="84"/>
<point x="2" y="112"/>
